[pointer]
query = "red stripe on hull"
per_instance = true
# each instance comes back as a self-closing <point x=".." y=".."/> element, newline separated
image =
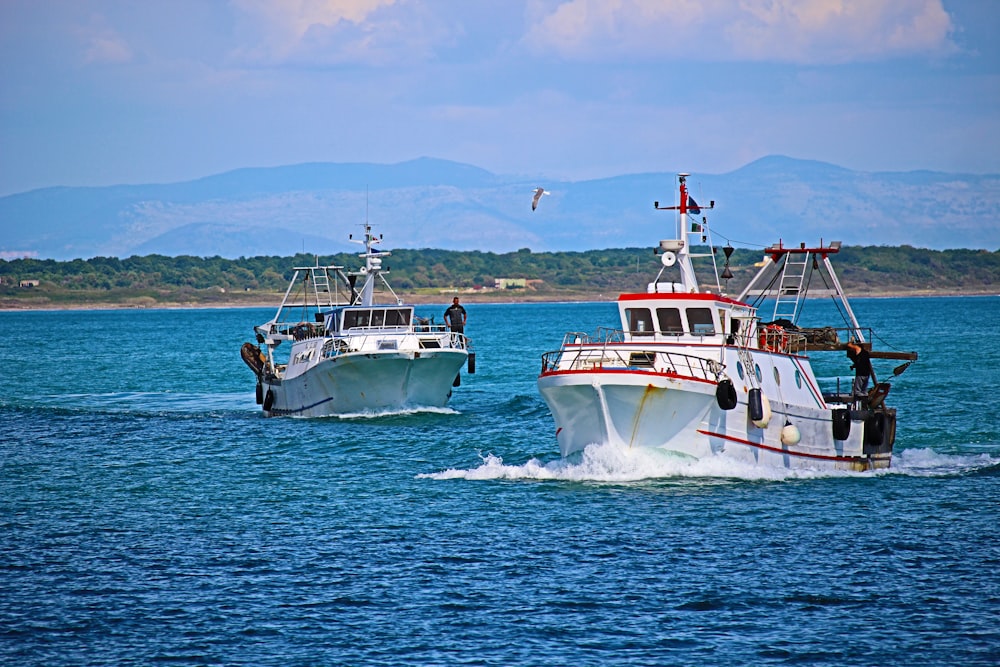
<point x="823" y="457"/>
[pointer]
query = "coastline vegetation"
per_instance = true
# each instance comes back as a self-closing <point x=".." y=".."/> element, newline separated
<point x="424" y="274"/>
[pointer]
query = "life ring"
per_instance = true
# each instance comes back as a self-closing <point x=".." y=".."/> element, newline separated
<point x="725" y="394"/>
<point x="773" y="338"/>
<point x="268" y="400"/>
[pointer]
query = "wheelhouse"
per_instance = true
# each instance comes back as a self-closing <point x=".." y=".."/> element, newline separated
<point x="356" y="319"/>
<point x="676" y="317"/>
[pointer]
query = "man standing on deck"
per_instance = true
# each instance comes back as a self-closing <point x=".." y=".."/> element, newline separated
<point x="862" y="369"/>
<point x="455" y="317"/>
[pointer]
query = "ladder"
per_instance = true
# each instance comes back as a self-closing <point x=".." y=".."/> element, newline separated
<point x="793" y="275"/>
<point x="321" y="286"/>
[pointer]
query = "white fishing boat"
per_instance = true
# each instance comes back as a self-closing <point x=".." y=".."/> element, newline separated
<point x="698" y="373"/>
<point x="333" y="348"/>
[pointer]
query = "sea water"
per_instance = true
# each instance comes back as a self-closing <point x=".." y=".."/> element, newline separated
<point x="150" y="515"/>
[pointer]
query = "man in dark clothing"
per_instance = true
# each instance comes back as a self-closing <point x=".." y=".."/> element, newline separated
<point x="455" y="317"/>
<point x="862" y="366"/>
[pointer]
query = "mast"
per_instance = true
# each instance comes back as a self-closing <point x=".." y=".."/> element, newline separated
<point x="680" y="248"/>
<point x="372" y="269"/>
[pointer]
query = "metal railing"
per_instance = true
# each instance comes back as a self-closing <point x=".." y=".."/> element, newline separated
<point x="607" y="351"/>
<point x="353" y="341"/>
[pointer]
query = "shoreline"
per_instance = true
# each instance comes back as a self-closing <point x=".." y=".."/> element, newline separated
<point x="272" y="301"/>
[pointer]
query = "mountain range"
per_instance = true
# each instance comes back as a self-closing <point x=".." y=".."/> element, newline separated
<point x="433" y="203"/>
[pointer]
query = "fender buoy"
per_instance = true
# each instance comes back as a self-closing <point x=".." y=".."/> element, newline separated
<point x="725" y="394"/>
<point x="766" y="405"/>
<point x="472" y="363"/>
<point x="755" y="407"/>
<point x="458" y="381"/>
<point x="268" y="400"/>
<point x="841" y="424"/>
<point x="875" y="429"/>
<point x="790" y="434"/>
<point x="758" y="408"/>
<point x="260" y="393"/>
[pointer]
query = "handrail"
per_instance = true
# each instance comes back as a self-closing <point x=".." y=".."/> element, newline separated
<point x="599" y="355"/>
<point x="352" y="342"/>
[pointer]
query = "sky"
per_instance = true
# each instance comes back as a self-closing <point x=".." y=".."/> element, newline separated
<point x="106" y="92"/>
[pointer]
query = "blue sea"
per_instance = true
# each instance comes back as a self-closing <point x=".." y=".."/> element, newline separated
<point x="150" y="515"/>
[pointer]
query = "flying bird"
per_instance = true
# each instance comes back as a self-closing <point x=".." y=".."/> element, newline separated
<point x="538" y="195"/>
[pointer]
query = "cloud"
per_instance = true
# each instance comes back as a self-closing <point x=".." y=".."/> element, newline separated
<point x="103" y="45"/>
<point x="331" y="32"/>
<point x="788" y="31"/>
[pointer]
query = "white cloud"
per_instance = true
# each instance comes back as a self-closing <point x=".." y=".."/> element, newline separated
<point x="103" y="44"/>
<point x="791" y="31"/>
<point x="324" y="32"/>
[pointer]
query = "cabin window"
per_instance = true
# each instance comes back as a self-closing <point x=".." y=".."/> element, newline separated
<point x="399" y="317"/>
<point x="670" y="321"/>
<point x="378" y="318"/>
<point x="640" y="321"/>
<point x="700" y="321"/>
<point x="356" y="318"/>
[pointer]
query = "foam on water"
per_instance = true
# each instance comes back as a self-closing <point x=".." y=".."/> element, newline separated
<point x="612" y="464"/>
<point x="410" y="410"/>
<point x="928" y="463"/>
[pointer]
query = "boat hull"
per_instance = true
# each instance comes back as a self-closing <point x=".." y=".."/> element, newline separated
<point x="366" y="382"/>
<point x="641" y="409"/>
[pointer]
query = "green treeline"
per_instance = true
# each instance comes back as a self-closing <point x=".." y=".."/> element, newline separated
<point x="861" y="268"/>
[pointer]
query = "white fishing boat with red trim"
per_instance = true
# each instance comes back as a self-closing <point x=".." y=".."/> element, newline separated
<point x="697" y="372"/>
<point x="334" y="347"/>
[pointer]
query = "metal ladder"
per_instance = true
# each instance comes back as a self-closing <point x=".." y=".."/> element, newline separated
<point x="793" y="275"/>
<point x="321" y="286"/>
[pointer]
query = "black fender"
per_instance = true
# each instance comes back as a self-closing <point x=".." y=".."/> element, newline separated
<point x="725" y="394"/>
<point x="755" y="405"/>
<point x="268" y="400"/>
<point x="875" y="429"/>
<point x="841" y="420"/>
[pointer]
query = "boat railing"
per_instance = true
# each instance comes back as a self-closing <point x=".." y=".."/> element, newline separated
<point x="778" y="339"/>
<point x="604" y="355"/>
<point x="603" y="336"/>
<point x="388" y="338"/>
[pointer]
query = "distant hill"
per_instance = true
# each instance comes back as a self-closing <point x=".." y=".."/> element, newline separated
<point x="431" y="203"/>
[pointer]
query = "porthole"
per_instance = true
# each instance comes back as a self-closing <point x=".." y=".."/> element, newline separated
<point x="756" y="371"/>
<point x="739" y="369"/>
<point x="798" y="379"/>
<point x="777" y="376"/>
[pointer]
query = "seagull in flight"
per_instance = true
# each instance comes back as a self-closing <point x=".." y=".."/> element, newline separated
<point x="538" y="195"/>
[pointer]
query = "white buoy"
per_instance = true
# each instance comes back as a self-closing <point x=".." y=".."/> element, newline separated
<point x="766" y="412"/>
<point x="790" y="434"/>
